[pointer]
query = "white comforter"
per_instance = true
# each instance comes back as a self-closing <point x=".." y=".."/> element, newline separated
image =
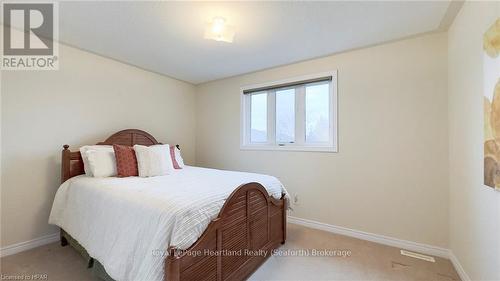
<point x="126" y="223"/>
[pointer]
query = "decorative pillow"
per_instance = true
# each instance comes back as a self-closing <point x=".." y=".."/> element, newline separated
<point x="83" y="151"/>
<point x="126" y="161"/>
<point x="101" y="162"/>
<point x="153" y="160"/>
<point x="177" y="160"/>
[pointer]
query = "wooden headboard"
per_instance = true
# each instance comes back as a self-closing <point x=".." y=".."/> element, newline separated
<point x="72" y="163"/>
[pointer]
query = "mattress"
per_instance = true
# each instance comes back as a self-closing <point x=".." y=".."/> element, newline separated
<point x="128" y="223"/>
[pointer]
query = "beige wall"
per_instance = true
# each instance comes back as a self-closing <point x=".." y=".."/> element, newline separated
<point x="89" y="98"/>
<point x="390" y="175"/>
<point x="474" y="208"/>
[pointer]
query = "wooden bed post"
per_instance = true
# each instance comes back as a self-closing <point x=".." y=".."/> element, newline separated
<point x="283" y="198"/>
<point x="65" y="162"/>
<point x="172" y="267"/>
<point x="65" y="174"/>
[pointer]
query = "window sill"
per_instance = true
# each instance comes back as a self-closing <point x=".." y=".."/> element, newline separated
<point x="330" y="149"/>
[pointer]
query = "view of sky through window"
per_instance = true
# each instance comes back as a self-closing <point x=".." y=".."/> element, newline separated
<point x="285" y="116"/>
<point x="317" y="113"/>
<point x="258" y="115"/>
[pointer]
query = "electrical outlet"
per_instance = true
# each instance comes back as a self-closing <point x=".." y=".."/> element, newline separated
<point x="295" y="199"/>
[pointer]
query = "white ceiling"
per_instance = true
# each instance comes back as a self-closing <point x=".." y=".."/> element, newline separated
<point x="167" y="37"/>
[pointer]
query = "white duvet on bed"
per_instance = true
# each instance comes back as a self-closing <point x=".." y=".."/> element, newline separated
<point x="125" y="222"/>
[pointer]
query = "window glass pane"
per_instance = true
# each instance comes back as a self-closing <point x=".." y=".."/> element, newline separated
<point x="285" y="116"/>
<point x="317" y="113"/>
<point x="258" y="118"/>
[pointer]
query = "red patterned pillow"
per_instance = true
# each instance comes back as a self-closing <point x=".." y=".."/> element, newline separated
<point x="126" y="162"/>
<point x="172" y="155"/>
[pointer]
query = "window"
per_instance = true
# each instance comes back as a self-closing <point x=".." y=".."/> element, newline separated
<point x="294" y="114"/>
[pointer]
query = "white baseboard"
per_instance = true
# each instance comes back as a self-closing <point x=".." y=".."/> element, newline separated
<point x="26" y="245"/>
<point x="386" y="240"/>
<point x="381" y="239"/>
<point x="458" y="267"/>
<point x="377" y="238"/>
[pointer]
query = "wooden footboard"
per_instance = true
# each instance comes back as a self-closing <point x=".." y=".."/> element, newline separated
<point x="249" y="227"/>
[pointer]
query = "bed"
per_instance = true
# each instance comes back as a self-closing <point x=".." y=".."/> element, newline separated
<point x="196" y="224"/>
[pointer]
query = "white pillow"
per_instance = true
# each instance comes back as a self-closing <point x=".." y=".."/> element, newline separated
<point x="153" y="160"/>
<point x="83" y="152"/>
<point x="102" y="163"/>
<point x="178" y="158"/>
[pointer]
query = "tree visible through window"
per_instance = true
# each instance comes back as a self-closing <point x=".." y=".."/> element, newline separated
<point x="317" y="113"/>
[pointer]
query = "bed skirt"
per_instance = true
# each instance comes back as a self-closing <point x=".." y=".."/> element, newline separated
<point x="95" y="267"/>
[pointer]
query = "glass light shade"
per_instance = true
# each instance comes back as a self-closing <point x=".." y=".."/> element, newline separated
<point x="218" y="30"/>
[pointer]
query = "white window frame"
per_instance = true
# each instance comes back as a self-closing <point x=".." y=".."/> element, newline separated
<point x="299" y="144"/>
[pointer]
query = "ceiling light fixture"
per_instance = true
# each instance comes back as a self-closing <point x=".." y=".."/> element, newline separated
<point x="218" y="30"/>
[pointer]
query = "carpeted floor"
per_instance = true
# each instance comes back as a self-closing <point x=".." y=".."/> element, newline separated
<point x="362" y="260"/>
